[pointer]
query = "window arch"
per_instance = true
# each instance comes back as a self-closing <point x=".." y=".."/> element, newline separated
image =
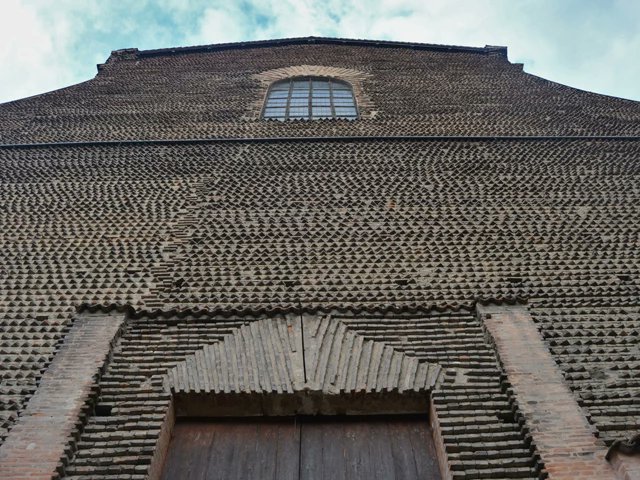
<point x="310" y="98"/>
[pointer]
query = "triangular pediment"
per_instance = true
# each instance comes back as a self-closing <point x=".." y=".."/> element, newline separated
<point x="291" y="354"/>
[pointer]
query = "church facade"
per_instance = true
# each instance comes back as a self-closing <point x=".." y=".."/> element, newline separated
<point x="319" y="258"/>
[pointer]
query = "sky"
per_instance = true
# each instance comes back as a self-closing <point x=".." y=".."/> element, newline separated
<point x="588" y="44"/>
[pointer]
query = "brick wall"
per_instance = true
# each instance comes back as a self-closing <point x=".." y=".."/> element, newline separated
<point x="559" y="428"/>
<point x="40" y="439"/>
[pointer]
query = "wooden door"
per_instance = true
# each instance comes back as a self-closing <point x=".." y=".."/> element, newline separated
<point x="344" y="448"/>
<point x="302" y="448"/>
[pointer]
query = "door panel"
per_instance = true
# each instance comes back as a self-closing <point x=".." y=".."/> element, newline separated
<point x="371" y="448"/>
<point x="234" y="450"/>
<point x="303" y="448"/>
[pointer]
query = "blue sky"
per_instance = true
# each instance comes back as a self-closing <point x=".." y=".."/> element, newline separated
<point x="589" y="44"/>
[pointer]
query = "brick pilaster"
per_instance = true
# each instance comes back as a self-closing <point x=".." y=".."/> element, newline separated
<point x="42" y="435"/>
<point x="560" y="430"/>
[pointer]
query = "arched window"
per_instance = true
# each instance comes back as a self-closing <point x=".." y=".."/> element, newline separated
<point x="310" y="98"/>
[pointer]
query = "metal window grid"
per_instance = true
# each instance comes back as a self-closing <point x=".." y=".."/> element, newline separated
<point x="310" y="98"/>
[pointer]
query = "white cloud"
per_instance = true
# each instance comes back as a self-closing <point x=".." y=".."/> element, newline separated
<point x="30" y="52"/>
<point x="218" y="25"/>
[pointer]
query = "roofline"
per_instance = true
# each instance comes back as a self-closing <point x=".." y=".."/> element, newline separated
<point x="486" y="50"/>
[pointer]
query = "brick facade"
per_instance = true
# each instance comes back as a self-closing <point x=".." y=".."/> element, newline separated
<point x="558" y="426"/>
<point x="46" y="433"/>
<point x="157" y="187"/>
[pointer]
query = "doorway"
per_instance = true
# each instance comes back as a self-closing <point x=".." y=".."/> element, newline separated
<point x="303" y="448"/>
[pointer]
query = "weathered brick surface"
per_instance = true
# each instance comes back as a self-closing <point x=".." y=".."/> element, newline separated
<point x="596" y="347"/>
<point x="627" y="466"/>
<point x="560" y="430"/>
<point x="361" y="225"/>
<point x="41" y="436"/>
<point x="369" y="226"/>
<point x="212" y="93"/>
<point x="478" y="429"/>
<point x="268" y="357"/>
<point x="477" y="426"/>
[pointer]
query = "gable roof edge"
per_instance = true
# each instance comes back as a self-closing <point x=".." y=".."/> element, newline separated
<point x="487" y="50"/>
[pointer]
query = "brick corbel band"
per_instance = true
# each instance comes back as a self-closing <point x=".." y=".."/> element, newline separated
<point x="558" y="426"/>
<point x="38" y="441"/>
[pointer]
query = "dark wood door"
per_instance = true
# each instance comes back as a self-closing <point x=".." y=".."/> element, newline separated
<point x="334" y="448"/>
<point x="302" y="448"/>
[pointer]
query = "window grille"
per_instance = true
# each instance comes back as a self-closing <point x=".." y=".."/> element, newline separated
<point x="310" y="99"/>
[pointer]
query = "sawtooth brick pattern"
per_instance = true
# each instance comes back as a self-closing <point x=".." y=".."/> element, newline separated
<point x="598" y="352"/>
<point x="213" y="94"/>
<point x="478" y="419"/>
<point x="133" y="392"/>
<point x="43" y="435"/>
<point x="327" y="225"/>
<point x="269" y="227"/>
<point x="481" y="434"/>
<point x="564" y="439"/>
<point x="70" y="237"/>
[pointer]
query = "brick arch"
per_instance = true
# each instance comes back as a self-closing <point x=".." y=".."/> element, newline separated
<point x="355" y="78"/>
